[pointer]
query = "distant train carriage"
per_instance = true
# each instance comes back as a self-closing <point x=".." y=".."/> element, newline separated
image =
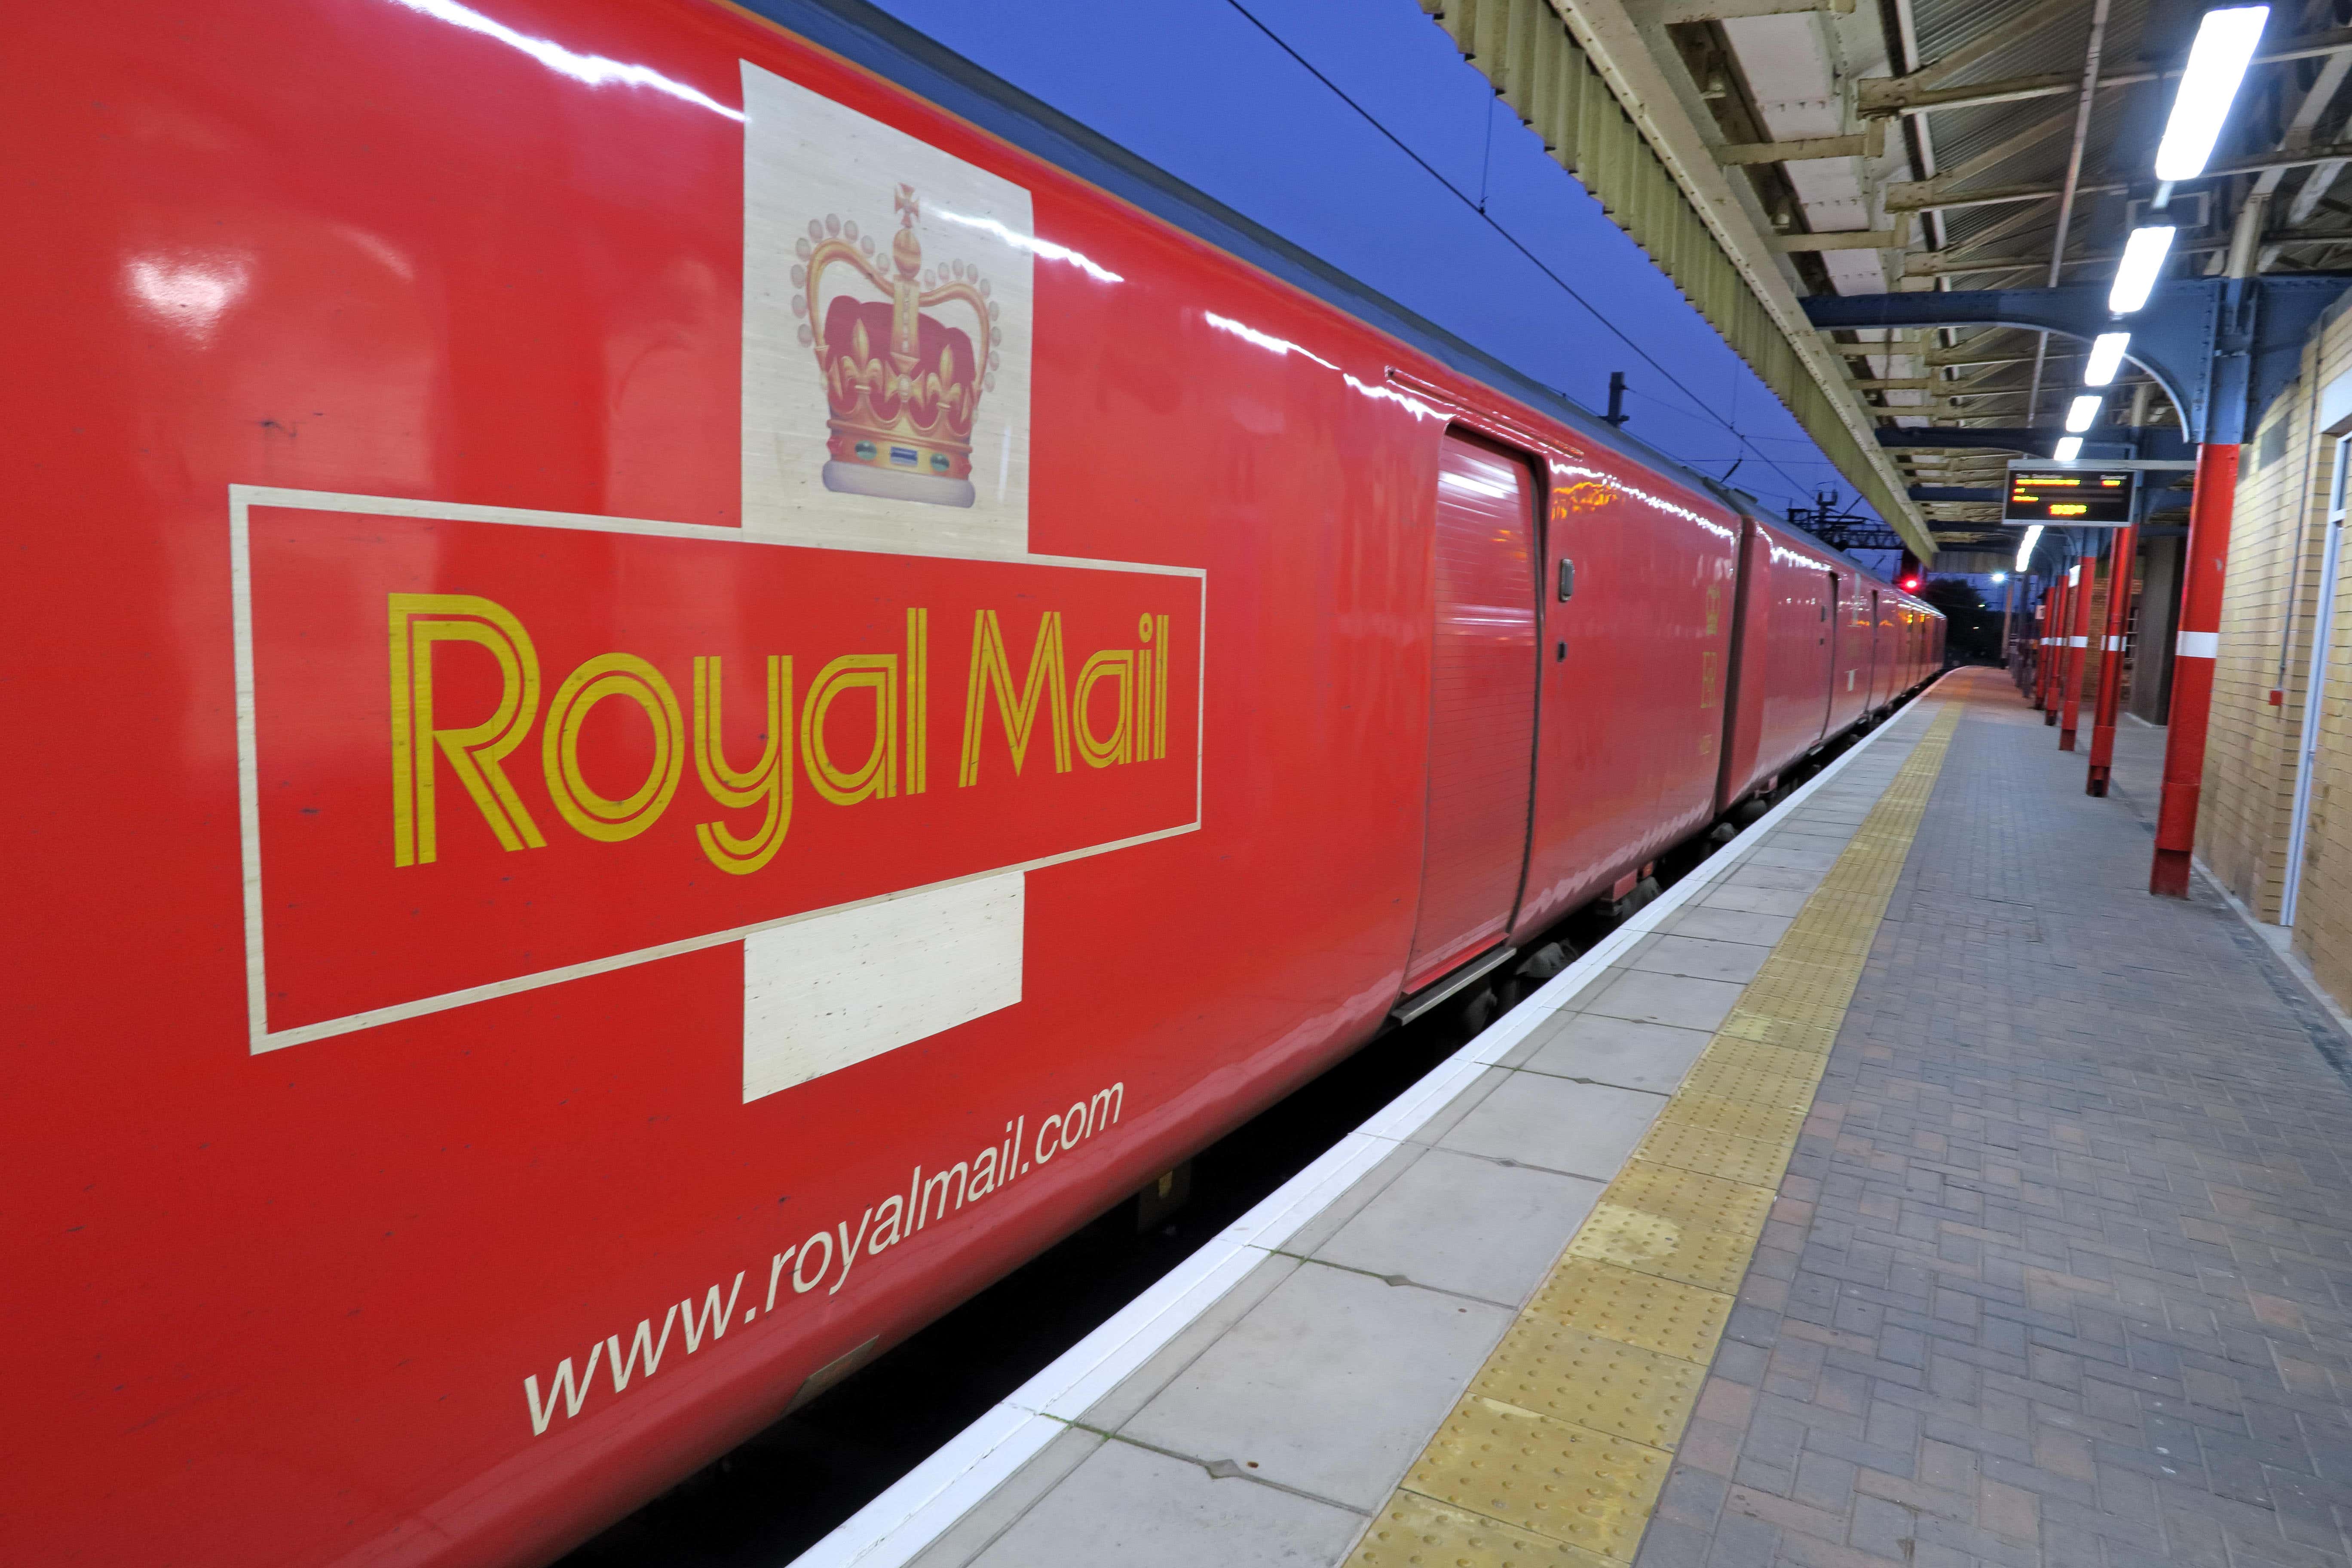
<point x="669" y="706"/>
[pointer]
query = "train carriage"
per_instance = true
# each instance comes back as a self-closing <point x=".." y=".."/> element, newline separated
<point x="681" y="686"/>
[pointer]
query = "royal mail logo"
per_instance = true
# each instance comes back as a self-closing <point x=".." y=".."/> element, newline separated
<point x="488" y="750"/>
<point x="903" y="384"/>
<point x="893" y="690"/>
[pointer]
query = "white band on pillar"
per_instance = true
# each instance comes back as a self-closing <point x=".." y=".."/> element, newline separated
<point x="2199" y="644"/>
<point x="2114" y="644"/>
<point x="2078" y="642"/>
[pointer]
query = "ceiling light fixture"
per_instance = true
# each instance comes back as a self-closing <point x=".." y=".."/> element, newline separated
<point x="2025" y="550"/>
<point x="2144" y="255"/>
<point x="2069" y="447"/>
<point x="2217" y="64"/>
<point x="2106" y="356"/>
<point x="2082" y="411"/>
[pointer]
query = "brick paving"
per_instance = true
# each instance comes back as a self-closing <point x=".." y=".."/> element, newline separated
<point x="2062" y="1272"/>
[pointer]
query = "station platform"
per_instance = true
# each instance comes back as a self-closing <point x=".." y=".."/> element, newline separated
<point x="1906" y="1186"/>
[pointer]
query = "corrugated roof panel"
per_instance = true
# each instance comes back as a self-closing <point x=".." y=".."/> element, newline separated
<point x="2058" y="45"/>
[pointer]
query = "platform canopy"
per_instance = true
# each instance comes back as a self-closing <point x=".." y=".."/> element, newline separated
<point x="1837" y="151"/>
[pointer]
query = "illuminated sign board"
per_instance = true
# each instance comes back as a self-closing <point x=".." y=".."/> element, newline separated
<point x="2070" y="497"/>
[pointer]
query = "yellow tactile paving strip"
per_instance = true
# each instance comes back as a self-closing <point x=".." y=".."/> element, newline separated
<point x="1558" y="1450"/>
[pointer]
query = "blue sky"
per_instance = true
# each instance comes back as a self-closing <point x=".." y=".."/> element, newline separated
<point x="1354" y="130"/>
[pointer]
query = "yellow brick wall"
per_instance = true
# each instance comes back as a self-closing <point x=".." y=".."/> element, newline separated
<point x="2270" y="611"/>
<point x="2323" y="926"/>
<point x="2271" y="580"/>
<point x="2324" y="914"/>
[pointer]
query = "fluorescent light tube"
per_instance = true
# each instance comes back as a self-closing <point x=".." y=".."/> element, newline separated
<point x="2107" y="354"/>
<point x="2025" y="550"/>
<point x="2069" y="447"/>
<point x="2144" y="255"/>
<point x="2082" y="411"/>
<point x="2217" y="64"/>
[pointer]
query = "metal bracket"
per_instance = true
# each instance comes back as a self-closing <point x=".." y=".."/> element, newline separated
<point x="1461" y="980"/>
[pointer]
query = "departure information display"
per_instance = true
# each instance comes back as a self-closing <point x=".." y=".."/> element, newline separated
<point x="2078" y="497"/>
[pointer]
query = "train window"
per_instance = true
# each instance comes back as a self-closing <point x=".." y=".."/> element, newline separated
<point x="1567" y="579"/>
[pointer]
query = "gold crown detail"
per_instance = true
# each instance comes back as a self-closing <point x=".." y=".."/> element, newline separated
<point x="903" y="386"/>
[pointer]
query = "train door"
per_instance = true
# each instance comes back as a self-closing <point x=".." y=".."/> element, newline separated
<point x="1829" y="665"/>
<point x="1482" y="707"/>
<point x="1850" y="682"/>
<point x="1882" y="667"/>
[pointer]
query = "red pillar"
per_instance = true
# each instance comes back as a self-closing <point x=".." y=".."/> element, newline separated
<point x="2030" y="679"/>
<point x="2053" y="643"/>
<point x="2210" y="509"/>
<point x="2110" y="661"/>
<point x="2029" y="667"/>
<point x="2054" y="599"/>
<point x="2078" y="638"/>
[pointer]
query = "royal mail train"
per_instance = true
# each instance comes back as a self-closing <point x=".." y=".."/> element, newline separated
<point x="679" y="685"/>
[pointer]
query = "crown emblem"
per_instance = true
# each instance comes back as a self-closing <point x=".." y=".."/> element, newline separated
<point x="903" y="385"/>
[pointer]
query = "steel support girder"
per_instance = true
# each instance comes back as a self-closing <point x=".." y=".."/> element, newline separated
<point x="2112" y="441"/>
<point x="2222" y="348"/>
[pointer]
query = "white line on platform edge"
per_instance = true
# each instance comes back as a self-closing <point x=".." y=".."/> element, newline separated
<point x="921" y="1506"/>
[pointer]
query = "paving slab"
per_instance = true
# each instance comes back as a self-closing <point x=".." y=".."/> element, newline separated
<point x="1729" y="925"/>
<point x="1127" y="1505"/>
<point x="1582" y="1128"/>
<point x="1783" y="901"/>
<point x="1620" y="1051"/>
<point x="1785" y="879"/>
<point x="1328" y="1387"/>
<point x="1678" y="1000"/>
<point x="1696" y="957"/>
<point x="1456" y="1221"/>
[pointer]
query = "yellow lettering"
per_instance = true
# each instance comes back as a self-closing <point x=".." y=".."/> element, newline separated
<point x="878" y="775"/>
<point x="769" y="780"/>
<point x="613" y="675"/>
<point x="1160" y="691"/>
<point x="992" y="673"/>
<point x="1116" y="665"/>
<point x="476" y="753"/>
<point x="919" y="700"/>
<point x="1140" y="708"/>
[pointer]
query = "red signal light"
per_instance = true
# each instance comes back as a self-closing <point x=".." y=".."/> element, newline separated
<point x="1910" y="584"/>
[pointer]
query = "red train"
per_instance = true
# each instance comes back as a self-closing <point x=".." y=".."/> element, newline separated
<point x="670" y="705"/>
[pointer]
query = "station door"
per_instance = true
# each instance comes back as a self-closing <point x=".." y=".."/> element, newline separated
<point x="1482" y="708"/>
